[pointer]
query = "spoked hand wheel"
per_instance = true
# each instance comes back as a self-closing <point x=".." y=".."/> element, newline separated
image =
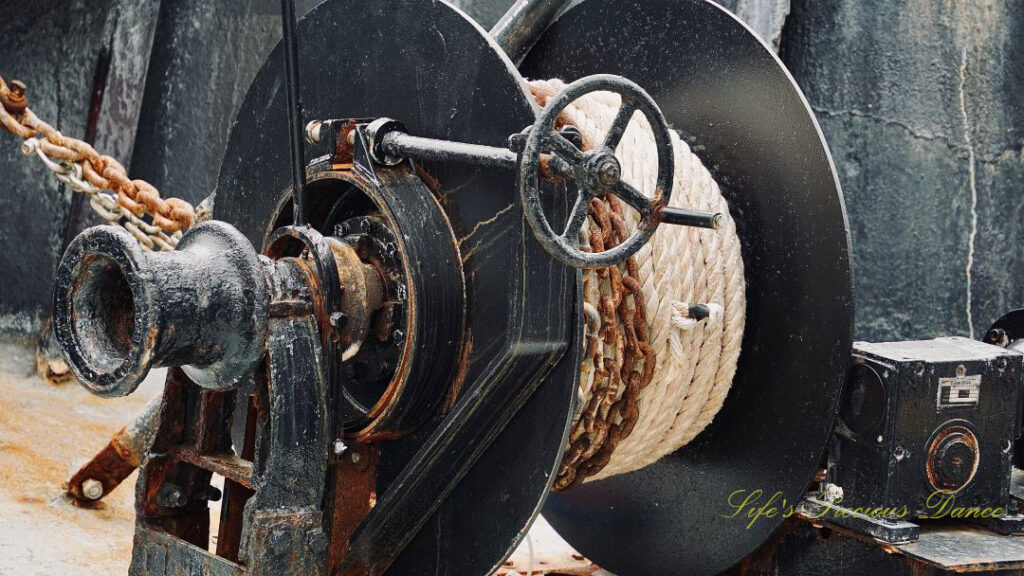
<point x="598" y="171"/>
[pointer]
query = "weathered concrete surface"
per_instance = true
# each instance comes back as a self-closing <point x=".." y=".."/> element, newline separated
<point x="922" y="104"/>
<point x="52" y="45"/>
<point x="766" y="17"/>
<point x="205" y="56"/>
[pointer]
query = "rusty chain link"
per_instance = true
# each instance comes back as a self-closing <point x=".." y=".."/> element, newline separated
<point x="619" y="320"/>
<point x="115" y="197"/>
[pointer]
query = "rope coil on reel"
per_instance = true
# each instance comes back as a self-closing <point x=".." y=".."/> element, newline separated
<point x="654" y="374"/>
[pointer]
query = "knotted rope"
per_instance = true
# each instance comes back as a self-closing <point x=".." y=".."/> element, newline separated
<point x="653" y="376"/>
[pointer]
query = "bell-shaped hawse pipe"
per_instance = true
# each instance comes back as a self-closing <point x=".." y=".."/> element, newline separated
<point x="120" y="310"/>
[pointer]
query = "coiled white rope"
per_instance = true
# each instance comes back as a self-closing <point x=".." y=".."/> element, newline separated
<point x="695" y="359"/>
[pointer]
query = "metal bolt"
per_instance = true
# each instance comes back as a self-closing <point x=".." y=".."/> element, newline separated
<point x="92" y="489"/>
<point x="699" y="311"/>
<point x="356" y="457"/>
<point x="339" y="447"/>
<point x="313" y="131"/>
<point x="998" y="337"/>
<point x="608" y="170"/>
<point x="172" y="496"/>
<point x="961" y="370"/>
<point x="339" y="320"/>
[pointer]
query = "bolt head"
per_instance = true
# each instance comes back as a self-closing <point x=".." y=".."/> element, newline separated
<point x="92" y="489"/>
<point x="609" y="172"/>
<point x="998" y="337"/>
<point x="339" y="320"/>
<point x="356" y="457"/>
<point x="313" y="132"/>
<point x="172" y="496"/>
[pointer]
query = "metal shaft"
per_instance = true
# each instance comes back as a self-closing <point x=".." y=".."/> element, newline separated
<point x="523" y="23"/>
<point x="295" y="127"/>
<point x="688" y="217"/>
<point x="404" y="145"/>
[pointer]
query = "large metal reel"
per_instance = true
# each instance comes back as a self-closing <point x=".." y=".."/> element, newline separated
<point x="734" y="101"/>
<point x="427" y="64"/>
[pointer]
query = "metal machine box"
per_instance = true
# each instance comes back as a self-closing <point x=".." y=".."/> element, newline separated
<point x="925" y="424"/>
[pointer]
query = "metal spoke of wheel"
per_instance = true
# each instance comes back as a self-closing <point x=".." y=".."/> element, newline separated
<point x="563" y="147"/>
<point x="633" y="197"/>
<point x="619" y="125"/>
<point x="576" y="219"/>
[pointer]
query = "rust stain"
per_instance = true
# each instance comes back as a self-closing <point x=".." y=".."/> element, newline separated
<point x="43" y="431"/>
<point x="355" y="494"/>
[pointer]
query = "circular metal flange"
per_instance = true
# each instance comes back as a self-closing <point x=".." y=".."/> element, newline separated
<point x="953" y="456"/>
<point x="393" y="224"/>
<point x="429" y="66"/>
<point x="600" y="172"/>
<point x="728" y="95"/>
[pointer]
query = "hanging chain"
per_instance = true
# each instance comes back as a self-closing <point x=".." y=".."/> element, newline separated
<point x="136" y="205"/>
<point x="623" y="365"/>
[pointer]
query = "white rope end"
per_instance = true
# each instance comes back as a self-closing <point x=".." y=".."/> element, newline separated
<point x="686" y="315"/>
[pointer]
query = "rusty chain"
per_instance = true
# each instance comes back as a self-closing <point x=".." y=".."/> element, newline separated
<point x="620" y="321"/>
<point x="134" y="204"/>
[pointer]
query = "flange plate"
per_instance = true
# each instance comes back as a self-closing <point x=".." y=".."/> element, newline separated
<point x="740" y="110"/>
<point x="429" y="66"/>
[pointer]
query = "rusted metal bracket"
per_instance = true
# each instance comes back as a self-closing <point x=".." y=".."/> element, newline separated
<point x="117" y="460"/>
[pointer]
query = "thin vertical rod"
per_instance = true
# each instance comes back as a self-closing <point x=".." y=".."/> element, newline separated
<point x="295" y="129"/>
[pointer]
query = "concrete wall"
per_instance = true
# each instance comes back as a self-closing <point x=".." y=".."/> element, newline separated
<point x="55" y="46"/>
<point x="922" y="103"/>
<point x="920" y="100"/>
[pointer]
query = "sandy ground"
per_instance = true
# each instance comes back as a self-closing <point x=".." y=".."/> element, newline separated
<point x="46" y="430"/>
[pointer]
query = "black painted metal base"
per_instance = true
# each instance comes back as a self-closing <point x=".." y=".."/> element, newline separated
<point x="887" y="531"/>
<point x="1010" y="525"/>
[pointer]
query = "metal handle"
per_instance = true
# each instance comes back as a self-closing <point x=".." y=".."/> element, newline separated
<point x="599" y="172"/>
